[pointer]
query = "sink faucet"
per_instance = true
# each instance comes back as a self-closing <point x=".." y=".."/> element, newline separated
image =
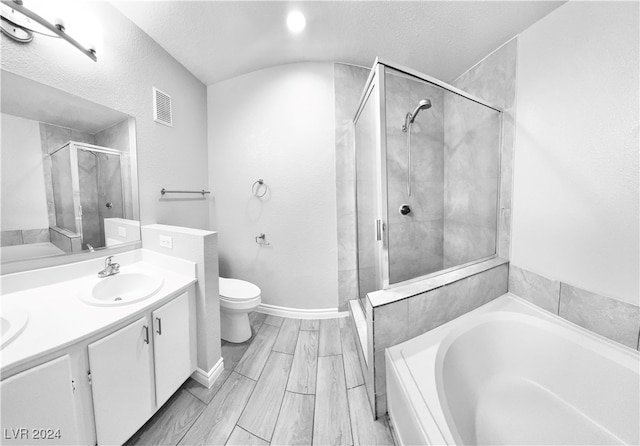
<point x="109" y="268"/>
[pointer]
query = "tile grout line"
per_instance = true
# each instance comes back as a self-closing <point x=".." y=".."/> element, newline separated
<point x="205" y="407"/>
<point x="287" y="383"/>
<point x="255" y="381"/>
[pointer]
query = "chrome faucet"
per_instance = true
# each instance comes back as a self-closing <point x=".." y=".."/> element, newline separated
<point x="109" y="268"/>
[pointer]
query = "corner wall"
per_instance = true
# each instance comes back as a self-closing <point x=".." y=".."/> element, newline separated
<point x="576" y="216"/>
<point x="277" y="124"/>
<point x="122" y="79"/>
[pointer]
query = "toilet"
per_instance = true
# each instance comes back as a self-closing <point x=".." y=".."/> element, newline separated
<point x="237" y="299"/>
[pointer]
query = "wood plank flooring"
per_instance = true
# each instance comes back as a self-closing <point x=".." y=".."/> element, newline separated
<point x="293" y="383"/>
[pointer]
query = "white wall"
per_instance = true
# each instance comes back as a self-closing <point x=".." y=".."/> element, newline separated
<point x="131" y="63"/>
<point x="23" y="192"/>
<point x="277" y="124"/>
<point x="576" y="159"/>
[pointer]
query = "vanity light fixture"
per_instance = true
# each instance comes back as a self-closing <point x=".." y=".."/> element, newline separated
<point x="296" y="21"/>
<point x="19" y="23"/>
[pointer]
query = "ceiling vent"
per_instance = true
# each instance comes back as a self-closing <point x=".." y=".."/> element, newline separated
<point x="162" y="108"/>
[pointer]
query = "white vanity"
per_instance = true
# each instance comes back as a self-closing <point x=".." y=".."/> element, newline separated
<point x="91" y="359"/>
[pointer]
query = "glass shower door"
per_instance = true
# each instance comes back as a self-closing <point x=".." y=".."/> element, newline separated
<point x="100" y="192"/>
<point x="367" y="207"/>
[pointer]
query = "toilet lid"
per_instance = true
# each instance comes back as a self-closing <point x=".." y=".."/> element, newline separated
<point x="238" y="289"/>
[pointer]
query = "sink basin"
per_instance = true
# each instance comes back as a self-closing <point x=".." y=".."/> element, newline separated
<point x="13" y="321"/>
<point x="122" y="289"/>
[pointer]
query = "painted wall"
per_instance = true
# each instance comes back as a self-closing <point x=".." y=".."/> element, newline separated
<point x="576" y="166"/>
<point x="24" y="202"/>
<point x="122" y="79"/>
<point x="277" y="124"/>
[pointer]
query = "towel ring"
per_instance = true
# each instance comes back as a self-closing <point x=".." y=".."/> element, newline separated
<point x="255" y="188"/>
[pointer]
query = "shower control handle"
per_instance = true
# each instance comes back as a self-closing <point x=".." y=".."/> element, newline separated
<point x="405" y="209"/>
<point x="109" y="205"/>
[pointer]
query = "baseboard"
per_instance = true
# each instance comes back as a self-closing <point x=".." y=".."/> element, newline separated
<point x="208" y="378"/>
<point x="301" y="313"/>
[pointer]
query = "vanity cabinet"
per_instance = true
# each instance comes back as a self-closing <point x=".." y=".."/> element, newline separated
<point x="121" y="382"/>
<point x="137" y="368"/>
<point x="39" y="405"/>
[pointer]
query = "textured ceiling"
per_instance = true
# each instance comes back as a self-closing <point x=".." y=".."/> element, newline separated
<point x="218" y="40"/>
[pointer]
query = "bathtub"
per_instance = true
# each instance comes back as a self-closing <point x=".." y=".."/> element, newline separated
<point x="511" y="373"/>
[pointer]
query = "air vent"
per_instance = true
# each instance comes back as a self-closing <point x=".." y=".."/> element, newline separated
<point x="162" y="108"/>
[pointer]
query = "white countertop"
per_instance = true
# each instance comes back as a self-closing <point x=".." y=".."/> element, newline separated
<point x="57" y="316"/>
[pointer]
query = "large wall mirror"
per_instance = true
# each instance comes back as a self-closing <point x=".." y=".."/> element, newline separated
<point x="69" y="180"/>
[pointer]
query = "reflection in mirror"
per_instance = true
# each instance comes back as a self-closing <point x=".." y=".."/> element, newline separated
<point x="69" y="174"/>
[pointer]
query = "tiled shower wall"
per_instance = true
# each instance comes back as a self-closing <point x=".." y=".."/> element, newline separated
<point x="349" y="82"/>
<point x="415" y="240"/>
<point x="612" y="318"/>
<point x="494" y="80"/>
<point x="471" y="167"/>
<point x="53" y="137"/>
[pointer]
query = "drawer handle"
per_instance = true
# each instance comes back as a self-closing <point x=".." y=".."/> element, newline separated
<point x="146" y="334"/>
<point x="159" y="326"/>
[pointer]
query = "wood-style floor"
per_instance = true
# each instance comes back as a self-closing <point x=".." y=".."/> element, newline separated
<point x="295" y="382"/>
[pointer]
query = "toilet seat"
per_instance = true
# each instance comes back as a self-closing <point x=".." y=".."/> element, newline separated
<point x="238" y="294"/>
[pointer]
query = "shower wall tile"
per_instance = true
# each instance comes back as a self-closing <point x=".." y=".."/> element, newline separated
<point x="535" y="288"/>
<point x="494" y="80"/>
<point x="66" y="240"/>
<point x="10" y="238"/>
<point x="347" y="286"/>
<point x="415" y="240"/>
<point x="614" y="319"/>
<point x="390" y="324"/>
<point x="471" y="168"/>
<point x="349" y="83"/>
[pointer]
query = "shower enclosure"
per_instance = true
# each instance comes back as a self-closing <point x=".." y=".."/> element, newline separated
<point x="87" y="188"/>
<point x="427" y="178"/>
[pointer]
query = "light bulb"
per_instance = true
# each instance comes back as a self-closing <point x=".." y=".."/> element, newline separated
<point x="296" y="21"/>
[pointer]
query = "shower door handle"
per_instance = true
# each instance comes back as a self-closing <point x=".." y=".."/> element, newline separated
<point x="378" y="229"/>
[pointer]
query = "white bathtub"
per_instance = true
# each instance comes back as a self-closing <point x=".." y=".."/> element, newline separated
<point x="511" y="373"/>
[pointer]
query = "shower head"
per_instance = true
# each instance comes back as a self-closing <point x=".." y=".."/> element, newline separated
<point x="422" y="105"/>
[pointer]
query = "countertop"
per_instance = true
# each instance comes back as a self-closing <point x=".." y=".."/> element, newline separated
<point x="58" y="318"/>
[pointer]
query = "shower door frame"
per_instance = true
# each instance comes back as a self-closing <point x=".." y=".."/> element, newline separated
<point x="75" y="177"/>
<point x="377" y="78"/>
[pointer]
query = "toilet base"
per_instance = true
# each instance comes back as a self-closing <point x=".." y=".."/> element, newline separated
<point x="234" y="326"/>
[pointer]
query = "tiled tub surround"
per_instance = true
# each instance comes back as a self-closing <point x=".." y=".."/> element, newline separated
<point x="398" y="314"/>
<point x="547" y="382"/>
<point x="612" y="318"/>
<point x="24" y="236"/>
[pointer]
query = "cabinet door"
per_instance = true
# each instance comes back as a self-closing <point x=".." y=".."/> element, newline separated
<point x="122" y="385"/>
<point x="172" y="346"/>
<point x="38" y="405"/>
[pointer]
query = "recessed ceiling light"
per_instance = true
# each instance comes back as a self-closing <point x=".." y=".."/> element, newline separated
<point x="296" y="21"/>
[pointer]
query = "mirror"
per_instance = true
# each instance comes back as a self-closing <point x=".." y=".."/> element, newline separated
<point x="69" y="174"/>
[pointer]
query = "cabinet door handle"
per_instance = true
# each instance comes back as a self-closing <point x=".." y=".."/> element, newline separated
<point x="159" y="325"/>
<point x="146" y="334"/>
